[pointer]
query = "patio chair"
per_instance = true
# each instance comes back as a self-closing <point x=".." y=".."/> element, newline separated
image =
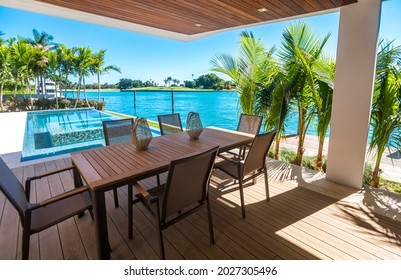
<point x="117" y="132"/>
<point x="249" y="124"/>
<point x="38" y="216"/>
<point x="170" y="123"/>
<point x="185" y="191"/>
<point x="252" y="166"/>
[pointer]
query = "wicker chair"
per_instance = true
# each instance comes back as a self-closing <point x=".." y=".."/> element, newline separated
<point x="170" y="123"/>
<point x="185" y="191"/>
<point x="253" y="165"/>
<point x="39" y="216"/>
<point x="117" y="132"/>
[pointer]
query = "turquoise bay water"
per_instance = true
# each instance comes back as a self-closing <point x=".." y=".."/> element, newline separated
<point x="217" y="108"/>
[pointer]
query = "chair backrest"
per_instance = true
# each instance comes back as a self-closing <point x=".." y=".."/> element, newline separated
<point x="250" y="123"/>
<point x="117" y="131"/>
<point x="13" y="189"/>
<point x="170" y="123"/>
<point x="256" y="158"/>
<point x="187" y="182"/>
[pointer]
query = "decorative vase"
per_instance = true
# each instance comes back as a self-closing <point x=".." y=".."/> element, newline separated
<point x="141" y="134"/>
<point x="194" y="125"/>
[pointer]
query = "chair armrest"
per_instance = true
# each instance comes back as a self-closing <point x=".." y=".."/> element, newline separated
<point x="59" y="197"/>
<point x="234" y="161"/>
<point x="29" y="179"/>
<point x="50" y="173"/>
<point x="144" y="193"/>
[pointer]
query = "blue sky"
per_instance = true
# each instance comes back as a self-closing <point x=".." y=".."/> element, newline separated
<point x="148" y="57"/>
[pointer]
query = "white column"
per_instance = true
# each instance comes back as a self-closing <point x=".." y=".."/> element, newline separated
<point x="353" y="87"/>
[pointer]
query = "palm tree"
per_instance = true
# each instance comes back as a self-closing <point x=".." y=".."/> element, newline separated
<point x="4" y="68"/>
<point x="67" y="59"/>
<point x="99" y="68"/>
<point x="301" y="49"/>
<point x="324" y="71"/>
<point x="54" y="71"/>
<point x="83" y="62"/>
<point x="43" y="42"/>
<point x="248" y="71"/>
<point x="386" y="114"/>
<point x="275" y="103"/>
<point x="23" y="59"/>
<point x="168" y="80"/>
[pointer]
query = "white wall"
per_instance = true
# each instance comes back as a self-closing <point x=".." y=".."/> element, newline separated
<point x="356" y="62"/>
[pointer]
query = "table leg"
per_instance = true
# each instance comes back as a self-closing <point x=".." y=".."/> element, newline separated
<point x="77" y="183"/>
<point x="101" y="234"/>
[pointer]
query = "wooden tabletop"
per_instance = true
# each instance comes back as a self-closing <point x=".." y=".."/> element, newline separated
<point x="120" y="164"/>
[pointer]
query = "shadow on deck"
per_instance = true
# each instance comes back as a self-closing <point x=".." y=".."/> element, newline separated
<point x="306" y="218"/>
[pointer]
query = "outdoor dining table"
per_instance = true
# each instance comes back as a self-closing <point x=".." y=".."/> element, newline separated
<point x="110" y="167"/>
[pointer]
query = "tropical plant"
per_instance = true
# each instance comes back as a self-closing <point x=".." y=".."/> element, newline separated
<point x="168" y="80"/>
<point x="250" y="69"/>
<point x="324" y="71"/>
<point x="41" y="41"/>
<point x="274" y="103"/>
<point x="23" y="58"/>
<point x="54" y="71"/>
<point x="4" y="68"/>
<point x="99" y="68"/>
<point x="386" y="115"/>
<point x="301" y="50"/>
<point x="66" y="56"/>
<point x="83" y="62"/>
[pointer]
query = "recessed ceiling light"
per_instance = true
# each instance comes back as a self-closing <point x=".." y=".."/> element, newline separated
<point x="198" y="24"/>
<point x="262" y="10"/>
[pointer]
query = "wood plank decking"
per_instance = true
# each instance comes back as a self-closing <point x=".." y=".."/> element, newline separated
<point x="297" y="223"/>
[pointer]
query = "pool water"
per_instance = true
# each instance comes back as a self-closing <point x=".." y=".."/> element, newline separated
<point x="49" y="133"/>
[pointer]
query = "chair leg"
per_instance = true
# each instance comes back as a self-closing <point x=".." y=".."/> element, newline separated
<point x="209" y="217"/>
<point x="160" y="233"/>
<point x="255" y="179"/>
<point x="130" y="210"/>
<point x="158" y="180"/>
<point x="25" y="244"/>
<point x="241" y="192"/>
<point x="266" y="184"/>
<point x="91" y="213"/>
<point x="115" y="198"/>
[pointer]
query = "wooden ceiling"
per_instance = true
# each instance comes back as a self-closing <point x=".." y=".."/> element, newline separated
<point x="192" y="17"/>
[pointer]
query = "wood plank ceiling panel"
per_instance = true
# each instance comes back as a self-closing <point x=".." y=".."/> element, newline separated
<point x="192" y="17"/>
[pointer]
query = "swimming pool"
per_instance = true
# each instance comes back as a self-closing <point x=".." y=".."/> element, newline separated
<point x="49" y="133"/>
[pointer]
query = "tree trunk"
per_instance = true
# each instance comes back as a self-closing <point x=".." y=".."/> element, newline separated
<point x="376" y="176"/>
<point x="22" y="89"/>
<point x="86" y="98"/>
<point x="319" y="161"/>
<point x="1" y="96"/>
<point x="301" y="137"/>
<point x="78" y="91"/>
<point x="98" y="87"/>
<point x="376" y="171"/>
<point x="277" y="148"/>
<point x="300" y="150"/>
<point x="43" y="85"/>
<point x="30" y="94"/>
<point x="55" y="85"/>
<point x="15" y="88"/>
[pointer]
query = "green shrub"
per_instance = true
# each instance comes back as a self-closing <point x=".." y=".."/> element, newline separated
<point x="367" y="174"/>
<point x="64" y="103"/>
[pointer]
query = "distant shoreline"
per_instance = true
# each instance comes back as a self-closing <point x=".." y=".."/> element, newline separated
<point x="158" y="89"/>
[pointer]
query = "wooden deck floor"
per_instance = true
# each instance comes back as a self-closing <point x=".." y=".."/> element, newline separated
<point x="297" y="223"/>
